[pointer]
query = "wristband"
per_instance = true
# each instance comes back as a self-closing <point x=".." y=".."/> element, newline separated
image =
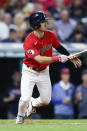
<point x="55" y="58"/>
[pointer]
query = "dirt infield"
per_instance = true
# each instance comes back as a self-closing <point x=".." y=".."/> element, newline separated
<point x="31" y="122"/>
<point x="57" y="123"/>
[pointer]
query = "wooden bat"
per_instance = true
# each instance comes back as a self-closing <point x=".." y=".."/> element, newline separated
<point x="77" y="54"/>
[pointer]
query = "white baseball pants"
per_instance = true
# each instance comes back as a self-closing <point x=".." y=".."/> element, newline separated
<point x="28" y="80"/>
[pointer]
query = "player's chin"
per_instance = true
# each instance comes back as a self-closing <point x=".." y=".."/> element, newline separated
<point x="44" y="29"/>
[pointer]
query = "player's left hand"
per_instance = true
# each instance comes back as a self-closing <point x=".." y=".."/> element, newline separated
<point x="63" y="58"/>
<point x="74" y="59"/>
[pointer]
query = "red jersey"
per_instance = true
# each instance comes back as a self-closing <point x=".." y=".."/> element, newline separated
<point x="34" y="46"/>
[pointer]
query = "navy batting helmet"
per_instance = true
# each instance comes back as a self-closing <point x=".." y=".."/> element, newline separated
<point x="36" y="18"/>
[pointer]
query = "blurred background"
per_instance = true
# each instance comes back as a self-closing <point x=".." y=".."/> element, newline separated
<point x="68" y="19"/>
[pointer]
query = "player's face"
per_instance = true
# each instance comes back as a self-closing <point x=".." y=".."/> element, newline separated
<point x="43" y="26"/>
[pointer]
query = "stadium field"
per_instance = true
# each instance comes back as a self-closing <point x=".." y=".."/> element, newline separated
<point x="44" y="125"/>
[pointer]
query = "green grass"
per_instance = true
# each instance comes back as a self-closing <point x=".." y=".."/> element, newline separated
<point x="44" y="125"/>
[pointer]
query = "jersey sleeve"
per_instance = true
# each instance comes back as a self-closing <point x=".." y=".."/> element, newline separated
<point x="30" y="49"/>
<point x="55" y="41"/>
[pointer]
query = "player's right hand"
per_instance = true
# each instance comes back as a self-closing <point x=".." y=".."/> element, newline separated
<point x="63" y="58"/>
<point x="77" y="62"/>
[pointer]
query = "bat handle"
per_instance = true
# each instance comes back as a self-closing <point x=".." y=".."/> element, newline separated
<point x="72" y="57"/>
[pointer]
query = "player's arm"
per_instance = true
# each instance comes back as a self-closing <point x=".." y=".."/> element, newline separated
<point x="43" y="59"/>
<point x="49" y="60"/>
<point x="32" y="53"/>
<point x="62" y="50"/>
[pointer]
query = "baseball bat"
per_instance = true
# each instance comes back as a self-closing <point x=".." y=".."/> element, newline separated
<point x="78" y="53"/>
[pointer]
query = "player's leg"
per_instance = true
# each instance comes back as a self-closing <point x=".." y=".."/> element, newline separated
<point x="27" y="85"/>
<point x="44" y="87"/>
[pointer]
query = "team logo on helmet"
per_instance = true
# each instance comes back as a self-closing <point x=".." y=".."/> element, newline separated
<point x="31" y="52"/>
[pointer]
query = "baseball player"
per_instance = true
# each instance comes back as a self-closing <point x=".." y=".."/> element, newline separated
<point x="38" y="56"/>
